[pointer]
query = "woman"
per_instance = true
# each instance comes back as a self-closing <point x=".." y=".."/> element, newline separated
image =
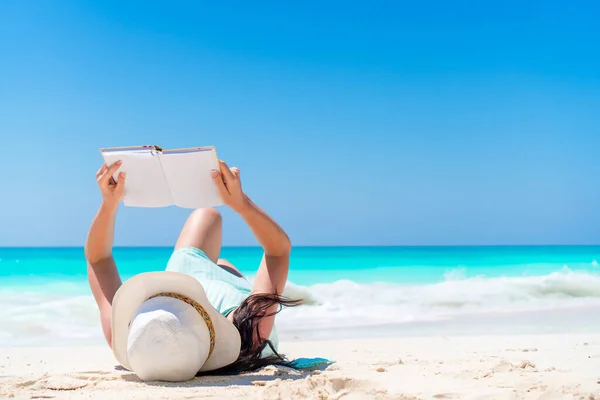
<point x="251" y="309"/>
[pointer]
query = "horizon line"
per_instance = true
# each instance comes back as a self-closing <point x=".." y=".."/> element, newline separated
<point x="320" y="246"/>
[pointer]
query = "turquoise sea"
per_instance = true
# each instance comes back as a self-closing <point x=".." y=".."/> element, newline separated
<point x="45" y="298"/>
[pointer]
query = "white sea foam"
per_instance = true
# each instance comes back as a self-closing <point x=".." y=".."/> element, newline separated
<point x="35" y="316"/>
<point x="348" y="304"/>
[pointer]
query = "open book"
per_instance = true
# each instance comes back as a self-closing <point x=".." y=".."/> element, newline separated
<point x="161" y="178"/>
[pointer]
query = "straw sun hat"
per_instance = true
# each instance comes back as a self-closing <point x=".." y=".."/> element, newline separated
<point x="164" y="328"/>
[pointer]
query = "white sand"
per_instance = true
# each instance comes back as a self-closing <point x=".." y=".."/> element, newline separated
<point x="480" y="367"/>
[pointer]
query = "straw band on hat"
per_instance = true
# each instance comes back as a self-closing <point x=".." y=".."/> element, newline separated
<point x="201" y="311"/>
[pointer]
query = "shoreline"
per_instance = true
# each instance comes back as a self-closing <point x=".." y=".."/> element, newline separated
<point x="548" y="366"/>
<point x="560" y="320"/>
<point x="575" y="319"/>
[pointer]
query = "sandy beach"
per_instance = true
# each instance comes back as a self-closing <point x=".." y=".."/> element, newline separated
<point x="558" y="366"/>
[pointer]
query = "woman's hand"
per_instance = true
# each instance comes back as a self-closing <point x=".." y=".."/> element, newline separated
<point x="112" y="192"/>
<point x="229" y="186"/>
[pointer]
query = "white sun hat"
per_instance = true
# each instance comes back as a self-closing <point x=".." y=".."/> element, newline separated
<point x="165" y="329"/>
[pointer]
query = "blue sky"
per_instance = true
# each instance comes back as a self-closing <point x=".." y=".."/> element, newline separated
<point x="427" y="122"/>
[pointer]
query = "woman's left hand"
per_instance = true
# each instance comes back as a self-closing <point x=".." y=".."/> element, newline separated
<point x="112" y="192"/>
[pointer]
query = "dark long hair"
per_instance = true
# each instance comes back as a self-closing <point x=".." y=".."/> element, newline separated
<point x="246" y="319"/>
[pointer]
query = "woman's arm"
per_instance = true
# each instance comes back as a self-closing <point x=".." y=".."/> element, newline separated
<point x="103" y="275"/>
<point x="273" y="270"/>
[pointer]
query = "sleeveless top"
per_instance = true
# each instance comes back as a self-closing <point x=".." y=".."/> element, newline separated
<point x="224" y="290"/>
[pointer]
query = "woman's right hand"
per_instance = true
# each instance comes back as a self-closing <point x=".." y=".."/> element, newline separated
<point x="112" y="192"/>
<point x="229" y="185"/>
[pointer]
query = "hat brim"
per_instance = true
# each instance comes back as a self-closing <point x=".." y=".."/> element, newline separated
<point x="136" y="290"/>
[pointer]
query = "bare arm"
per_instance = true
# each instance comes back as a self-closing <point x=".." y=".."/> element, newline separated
<point x="103" y="275"/>
<point x="273" y="270"/>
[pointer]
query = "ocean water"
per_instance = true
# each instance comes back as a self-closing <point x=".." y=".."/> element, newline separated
<point x="348" y="291"/>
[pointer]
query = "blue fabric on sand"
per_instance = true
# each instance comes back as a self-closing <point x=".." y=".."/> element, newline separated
<point x="308" y="363"/>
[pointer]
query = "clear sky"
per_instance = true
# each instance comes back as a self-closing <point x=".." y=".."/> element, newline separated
<point x="400" y="123"/>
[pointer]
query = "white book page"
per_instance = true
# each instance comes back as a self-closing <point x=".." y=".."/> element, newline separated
<point x="188" y="175"/>
<point x="146" y="185"/>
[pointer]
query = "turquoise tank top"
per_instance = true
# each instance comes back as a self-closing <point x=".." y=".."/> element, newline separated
<point x="224" y="290"/>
